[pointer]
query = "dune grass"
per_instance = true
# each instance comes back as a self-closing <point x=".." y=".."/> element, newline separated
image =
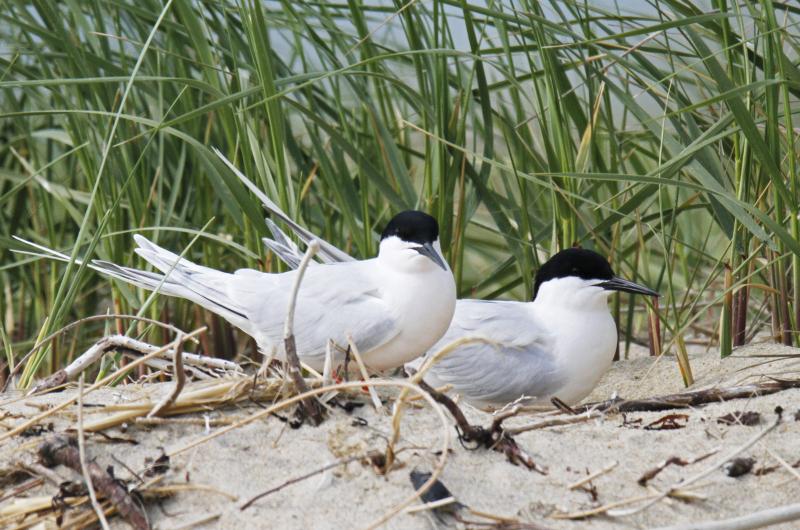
<point x="659" y="133"/>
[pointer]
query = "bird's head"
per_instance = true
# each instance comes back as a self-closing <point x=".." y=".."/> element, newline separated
<point x="581" y="275"/>
<point x="411" y="241"/>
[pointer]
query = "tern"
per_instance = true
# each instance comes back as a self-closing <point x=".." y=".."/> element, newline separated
<point x="557" y="345"/>
<point x="394" y="306"/>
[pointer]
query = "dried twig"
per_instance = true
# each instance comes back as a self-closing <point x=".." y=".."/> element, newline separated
<point x="495" y="437"/>
<point x="130" y="346"/>
<point x="61" y="450"/>
<point x="178" y="374"/>
<point x="676" y="461"/>
<point x="310" y="406"/>
<point x="38" y="469"/>
<point x="376" y="401"/>
<point x="691" y="480"/>
<point x="668" y="423"/>
<point x="202" y="520"/>
<point x="786" y="465"/>
<point x="64" y="404"/>
<point x="592" y="476"/>
<point x="82" y="457"/>
<point x="601" y="509"/>
<point x="692" y="399"/>
<point x="22" y="488"/>
<point x="782" y="514"/>
<point x="77" y="323"/>
<point x="555" y="422"/>
<point x="331" y="465"/>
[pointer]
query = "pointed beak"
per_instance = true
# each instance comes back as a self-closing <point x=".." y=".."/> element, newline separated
<point x="428" y="251"/>
<point x="619" y="284"/>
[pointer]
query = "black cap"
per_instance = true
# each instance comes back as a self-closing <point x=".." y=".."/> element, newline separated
<point x="579" y="262"/>
<point x="412" y="226"/>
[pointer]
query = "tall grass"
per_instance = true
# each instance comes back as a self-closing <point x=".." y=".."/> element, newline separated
<point x="659" y="133"/>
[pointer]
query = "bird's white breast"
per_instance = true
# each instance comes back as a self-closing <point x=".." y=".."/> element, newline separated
<point x="423" y="302"/>
<point x="585" y="337"/>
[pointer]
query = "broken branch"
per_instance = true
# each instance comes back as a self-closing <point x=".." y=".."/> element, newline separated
<point x="692" y="399"/>
<point x="310" y="406"/>
<point x="495" y="438"/>
<point x="61" y="450"/>
<point x="178" y="374"/>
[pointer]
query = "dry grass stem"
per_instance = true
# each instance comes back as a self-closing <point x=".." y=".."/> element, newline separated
<point x="592" y="476"/>
<point x="331" y="465"/>
<point x="134" y="347"/>
<point x="555" y="422"/>
<point x="38" y="418"/>
<point x="109" y="316"/>
<point x="786" y="465"/>
<point x="431" y="505"/>
<point x="84" y="469"/>
<point x="376" y="401"/>
<point x="179" y="376"/>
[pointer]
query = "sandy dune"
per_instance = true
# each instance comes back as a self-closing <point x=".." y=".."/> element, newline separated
<point x="265" y="453"/>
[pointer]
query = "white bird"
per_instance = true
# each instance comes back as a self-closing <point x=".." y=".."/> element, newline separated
<point x="558" y="345"/>
<point x="394" y="306"/>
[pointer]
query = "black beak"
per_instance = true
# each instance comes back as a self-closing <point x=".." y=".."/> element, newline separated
<point x="428" y="251"/>
<point x="619" y="284"/>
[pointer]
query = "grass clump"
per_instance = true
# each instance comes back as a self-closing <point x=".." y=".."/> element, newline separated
<point x="660" y="133"/>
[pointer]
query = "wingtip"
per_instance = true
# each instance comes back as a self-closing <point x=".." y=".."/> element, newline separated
<point x="142" y="241"/>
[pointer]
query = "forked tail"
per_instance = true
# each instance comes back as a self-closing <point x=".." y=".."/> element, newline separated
<point x="205" y="286"/>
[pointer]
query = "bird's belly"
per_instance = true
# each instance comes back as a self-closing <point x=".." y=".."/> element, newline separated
<point x="424" y="311"/>
<point x="584" y="354"/>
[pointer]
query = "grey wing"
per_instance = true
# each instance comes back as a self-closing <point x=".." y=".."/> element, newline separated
<point x="515" y="360"/>
<point x="333" y="301"/>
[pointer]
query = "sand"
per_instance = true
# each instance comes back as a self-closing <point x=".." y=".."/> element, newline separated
<point x="266" y="453"/>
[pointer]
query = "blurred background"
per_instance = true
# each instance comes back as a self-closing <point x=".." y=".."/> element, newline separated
<point x="659" y="133"/>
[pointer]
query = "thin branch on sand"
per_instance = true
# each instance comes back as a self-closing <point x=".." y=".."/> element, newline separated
<point x="132" y="347"/>
<point x="310" y="406"/>
<point x="322" y="469"/>
<point x="179" y="376"/>
<point x="67" y="402"/>
<point x="650" y="474"/>
<point x="781" y="514"/>
<point x="592" y="476"/>
<point x="691" y="399"/>
<point x="703" y="474"/>
<point x="82" y="457"/>
<point x="495" y="437"/>
<point x="376" y="401"/>
<point x="61" y="450"/>
<point x="18" y="366"/>
<point x="555" y="422"/>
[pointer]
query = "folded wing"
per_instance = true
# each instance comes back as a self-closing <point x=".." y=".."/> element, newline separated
<point x="513" y="359"/>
